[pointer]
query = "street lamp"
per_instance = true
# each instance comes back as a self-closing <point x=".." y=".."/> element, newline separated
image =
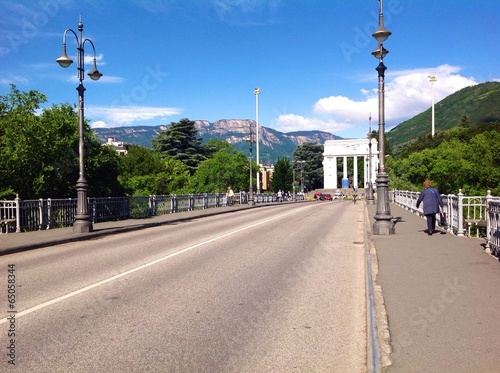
<point x="256" y="91"/>
<point x="432" y="79"/>
<point x="250" y="188"/>
<point x="383" y="224"/>
<point x="370" y="199"/>
<point x="82" y="223"/>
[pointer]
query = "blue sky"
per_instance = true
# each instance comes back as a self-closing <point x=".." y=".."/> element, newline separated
<point x="164" y="60"/>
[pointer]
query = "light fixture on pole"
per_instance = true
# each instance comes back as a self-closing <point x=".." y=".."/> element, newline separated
<point x="432" y="79"/>
<point x="256" y="91"/>
<point x="370" y="199"/>
<point x="82" y="223"/>
<point x="383" y="220"/>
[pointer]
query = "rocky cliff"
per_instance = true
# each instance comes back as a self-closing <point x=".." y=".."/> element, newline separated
<point x="273" y="144"/>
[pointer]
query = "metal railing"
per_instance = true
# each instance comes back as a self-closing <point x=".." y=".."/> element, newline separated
<point x="493" y="220"/>
<point x="466" y="215"/>
<point x="30" y="215"/>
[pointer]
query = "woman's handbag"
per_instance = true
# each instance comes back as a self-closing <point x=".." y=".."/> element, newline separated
<point x="442" y="220"/>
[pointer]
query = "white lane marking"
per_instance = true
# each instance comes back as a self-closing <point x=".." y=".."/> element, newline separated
<point x="92" y="286"/>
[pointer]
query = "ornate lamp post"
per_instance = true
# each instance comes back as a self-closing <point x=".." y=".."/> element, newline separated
<point x="370" y="199"/>
<point x="432" y="79"/>
<point x="82" y="223"/>
<point x="383" y="224"/>
<point x="256" y="91"/>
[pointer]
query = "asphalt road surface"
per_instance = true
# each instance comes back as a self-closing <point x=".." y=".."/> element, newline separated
<point x="271" y="289"/>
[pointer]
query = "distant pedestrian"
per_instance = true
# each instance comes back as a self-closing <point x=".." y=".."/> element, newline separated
<point x="432" y="201"/>
<point x="354" y="194"/>
<point x="229" y="196"/>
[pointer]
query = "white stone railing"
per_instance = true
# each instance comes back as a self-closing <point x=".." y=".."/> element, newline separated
<point x="465" y="214"/>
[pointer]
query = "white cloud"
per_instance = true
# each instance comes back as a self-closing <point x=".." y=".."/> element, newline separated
<point x="99" y="124"/>
<point x="73" y="78"/>
<point x="410" y="92"/>
<point x="127" y="115"/>
<point x="13" y="79"/>
<point x="407" y="93"/>
<point x="292" y="122"/>
<point x="88" y="59"/>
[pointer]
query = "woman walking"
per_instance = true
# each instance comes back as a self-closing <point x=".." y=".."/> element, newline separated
<point x="432" y="201"/>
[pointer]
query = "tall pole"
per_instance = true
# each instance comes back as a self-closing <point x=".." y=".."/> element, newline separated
<point x="82" y="223"/>
<point x="383" y="220"/>
<point x="432" y="79"/>
<point x="257" y="92"/>
<point x="301" y="176"/>
<point x="370" y="199"/>
<point x="250" y="187"/>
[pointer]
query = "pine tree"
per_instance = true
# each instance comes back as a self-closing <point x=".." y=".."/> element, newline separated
<point x="180" y="142"/>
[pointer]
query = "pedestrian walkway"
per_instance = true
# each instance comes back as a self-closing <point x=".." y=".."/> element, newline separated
<point x="441" y="296"/>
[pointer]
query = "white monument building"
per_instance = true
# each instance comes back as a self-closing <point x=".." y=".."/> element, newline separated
<point x="337" y="151"/>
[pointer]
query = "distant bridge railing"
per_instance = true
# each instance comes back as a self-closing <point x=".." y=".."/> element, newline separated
<point x="466" y="215"/>
<point x="31" y="215"/>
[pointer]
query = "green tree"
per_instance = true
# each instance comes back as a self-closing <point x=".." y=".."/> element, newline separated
<point x="140" y="161"/>
<point x="214" y="145"/>
<point x="484" y="163"/>
<point x="464" y="121"/>
<point x="227" y="167"/>
<point x="282" y="176"/>
<point x="459" y="162"/>
<point x="19" y="130"/>
<point x="143" y="172"/>
<point x="312" y="154"/>
<point x="39" y="153"/>
<point x="180" y="142"/>
<point x="103" y="169"/>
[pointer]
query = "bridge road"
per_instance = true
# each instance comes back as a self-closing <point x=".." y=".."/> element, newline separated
<point x="273" y="289"/>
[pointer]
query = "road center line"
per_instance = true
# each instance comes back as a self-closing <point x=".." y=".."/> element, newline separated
<point x="110" y="279"/>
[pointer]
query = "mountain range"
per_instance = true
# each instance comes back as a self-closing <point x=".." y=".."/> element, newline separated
<point x="480" y="102"/>
<point x="273" y="144"/>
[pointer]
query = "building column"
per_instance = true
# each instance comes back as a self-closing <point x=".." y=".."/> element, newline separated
<point x="345" y="179"/>
<point x="355" y="170"/>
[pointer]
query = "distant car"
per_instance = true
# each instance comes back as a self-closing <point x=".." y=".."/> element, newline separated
<point x="338" y="195"/>
<point x="326" y="197"/>
<point x="317" y="195"/>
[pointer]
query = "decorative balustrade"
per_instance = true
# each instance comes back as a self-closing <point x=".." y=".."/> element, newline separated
<point x="465" y="214"/>
<point x="493" y="220"/>
<point x="30" y="215"/>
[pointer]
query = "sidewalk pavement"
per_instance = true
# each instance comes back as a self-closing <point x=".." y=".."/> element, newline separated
<point x="439" y="293"/>
<point x="441" y="296"/>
